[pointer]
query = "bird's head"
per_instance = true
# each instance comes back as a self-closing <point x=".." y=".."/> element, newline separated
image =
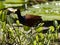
<point x="12" y="10"/>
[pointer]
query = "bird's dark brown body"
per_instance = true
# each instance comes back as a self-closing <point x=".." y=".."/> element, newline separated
<point x="32" y="20"/>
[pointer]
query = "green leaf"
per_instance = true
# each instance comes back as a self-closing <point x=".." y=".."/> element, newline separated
<point x="10" y="20"/>
<point x="13" y="5"/>
<point x="41" y="35"/>
<point x="49" y="36"/>
<point x="2" y="6"/>
<point x="51" y="28"/>
<point x="39" y="29"/>
<point x="3" y="16"/>
<point x="34" y="42"/>
<point x="40" y="43"/>
<point x="55" y="23"/>
<point x="14" y="1"/>
<point x="17" y="22"/>
<point x="56" y="35"/>
<point x="4" y="25"/>
<point x="26" y="28"/>
<point x="37" y="38"/>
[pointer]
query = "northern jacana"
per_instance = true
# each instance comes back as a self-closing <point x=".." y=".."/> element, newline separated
<point x="28" y="19"/>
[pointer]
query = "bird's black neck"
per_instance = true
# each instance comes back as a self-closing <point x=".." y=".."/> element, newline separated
<point x="19" y="15"/>
<point x="21" y="18"/>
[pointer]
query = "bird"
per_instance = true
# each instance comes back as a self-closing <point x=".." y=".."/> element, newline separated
<point x="28" y="20"/>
